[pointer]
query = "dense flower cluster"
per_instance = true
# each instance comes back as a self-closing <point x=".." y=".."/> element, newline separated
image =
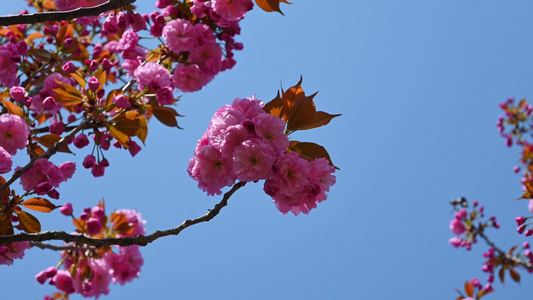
<point x="245" y="143"/>
<point x="12" y="251"/>
<point x="89" y="271"/>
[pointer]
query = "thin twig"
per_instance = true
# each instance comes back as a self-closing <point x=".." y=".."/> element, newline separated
<point x="123" y="241"/>
<point x="58" y="248"/>
<point x="507" y="256"/>
<point x="63" y="15"/>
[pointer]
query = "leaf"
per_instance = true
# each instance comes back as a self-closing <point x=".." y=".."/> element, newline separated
<point x="512" y="250"/>
<point x="121" y="137"/>
<point x="79" y="224"/>
<point x="13" y="109"/>
<point x="101" y="75"/>
<point x="469" y="289"/>
<point x="321" y="119"/>
<point x="67" y="29"/>
<point x="300" y="113"/>
<point x="121" y="224"/>
<point x="143" y="129"/>
<point x="166" y="115"/>
<point x="49" y="141"/>
<point x="33" y="36"/>
<point x="40" y="54"/>
<point x="29" y="223"/>
<point x="514" y="275"/>
<point x="270" y="5"/>
<point x="79" y="78"/>
<point x="39" y="204"/>
<point x="310" y="151"/>
<point x="67" y="94"/>
<point x="6" y="227"/>
<point x="275" y="106"/>
<point x="501" y="274"/>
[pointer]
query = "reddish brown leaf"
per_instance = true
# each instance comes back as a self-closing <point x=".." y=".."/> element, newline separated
<point x="514" y="275"/>
<point x="67" y="94"/>
<point x="501" y="274"/>
<point x="512" y="250"/>
<point x="101" y="76"/>
<point x="469" y="289"/>
<point x="39" y="204"/>
<point x="309" y="151"/>
<point x="79" y="78"/>
<point x="12" y="108"/>
<point x="270" y="5"/>
<point x="301" y="111"/>
<point x="49" y="140"/>
<point x="120" y="223"/>
<point x="79" y="224"/>
<point x="121" y="137"/>
<point x="6" y="227"/>
<point x="166" y="115"/>
<point x="275" y="106"/>
<point x="321" y="119"/>
<point x="28" y="222"/>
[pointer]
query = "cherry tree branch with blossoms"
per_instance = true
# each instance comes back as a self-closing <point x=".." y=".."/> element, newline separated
<point x="122" y="241"/>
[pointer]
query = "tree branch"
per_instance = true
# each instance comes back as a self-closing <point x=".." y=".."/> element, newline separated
<point x="123" y="241"/>
<point x="526" y="264"/>
<point x="63" y="15"/>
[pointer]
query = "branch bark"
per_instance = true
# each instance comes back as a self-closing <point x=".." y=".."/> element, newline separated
<point x="123" y="241"/>
<point x="63" y="15"/>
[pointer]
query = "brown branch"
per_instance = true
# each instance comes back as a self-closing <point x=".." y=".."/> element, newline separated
<point x="63" y="15"/>
<point x="51" y="151"/>
<point x="516" y="259"/>
<point x="58" y="248"/>
<point x="123" y="241"/>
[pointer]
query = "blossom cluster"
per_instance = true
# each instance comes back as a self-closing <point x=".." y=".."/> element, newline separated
<point x="89" y="271"/>
<point x="245" y="143"/>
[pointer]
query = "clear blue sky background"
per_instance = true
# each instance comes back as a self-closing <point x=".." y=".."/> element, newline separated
<point x="418" y="84"/>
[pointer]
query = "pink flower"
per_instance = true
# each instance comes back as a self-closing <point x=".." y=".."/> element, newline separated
<point x="152" y="75"/>
<point x="14" y="133"/>
<point x="134" y="148"/>
<point x="165" y="96"/>
<point x="210" y="170"/>
<point x="232" y="10"/>
<point x="63" y="282"/>
<point x="8" y="67"/>
<point x="530" y="205"/>
<point x="6" y="162"/>
<point x="66" y="209"/>
<point x="17" y="93"/>
<point x="320" y="174"/>
<point x="98" y="284"/>
<point x="253" y="160"/>
<point x="81" y="140"/>
<point x="94" y="226"/>
<point x="190" y="78"/>
<point x="457" y="227"/>
<point x="89" y="161"/>
<point x="43" y="173"/>
<point x="179" y="35"/>
<point x="455" y="241"/>
<point x="13" y="251"/>
<point x="126" y="265"/>
<point x="134" y="220"/>
<point x="129" y="40"/>
<point x="67" y="168"/>
<point x="272" y="128"/>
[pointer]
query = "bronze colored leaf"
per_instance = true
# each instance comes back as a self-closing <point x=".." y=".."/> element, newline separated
<point x="40" y="54"/>
<point x="128" y="127"/>
<point x="142" y="133"/>
<point x="67" y="94"/>
<point x="101" y="75"/>
<point x="321" y="119"/>
<point x="121" y="137"/>
<point x="49" y="140"/>
<point x="33" y="36"/>
<point x="12" y="108"/>
<point x="275" y="107"/>
<point x="166" y="115"/>
<point x="309" y="151"/>
<point x="120" y="223"/>
<point x="300" y="113"/>
<point x="6" y="227"/>
<point x="39" y="204"/>
<point x="79" y="78"/>
<point x="469" y="289"/>
<point x="79" y="224"/>
<point x="270" y="5"/>
<point x="514" y="275"/>
<point x="501" y="274"/>
<point x="28" y="222"/>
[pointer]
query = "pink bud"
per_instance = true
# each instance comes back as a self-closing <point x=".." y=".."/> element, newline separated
<point x="93" y="83"/>
<point x="89" y="161"/>
<point x="66" y="209"/>
<point x="93" y="226"/>
<point x="18" y="93"/>
<point x="81" y="140"/>
<point x="69" y="67"/>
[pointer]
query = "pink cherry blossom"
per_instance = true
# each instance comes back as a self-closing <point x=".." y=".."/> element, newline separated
<point x="6" y="162"/>
<point x="232" y="10"/>
<point x="126" y="265"/>
<point x="272" y="128"/>
<point x="253" y="160"/>
<point x="42" y="172"/>
<point x="63" y="282"/>
<point x="134" y="220"/>
<point x="210" y="170"/>
<point x="14" y="133"/>
<point x="152" y="75"/>
<point x="457" y="227"/>
<point x="179" y="35"/>
<point x="190" y="78"/>
<point x="13" y="251"/>
<point x="8" y="67"/>
<point x="66" y="209"/>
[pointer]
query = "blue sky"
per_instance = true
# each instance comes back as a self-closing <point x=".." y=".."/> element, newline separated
<point x="418" y="84"/>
